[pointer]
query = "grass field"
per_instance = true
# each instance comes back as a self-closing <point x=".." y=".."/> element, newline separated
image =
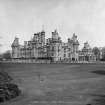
<point x="58" y="84"/>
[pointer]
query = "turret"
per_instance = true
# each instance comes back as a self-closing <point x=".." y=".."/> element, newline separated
<point x="15" y="42"/>
<point x="39" y="37"/>
<point x="43" y="37"/>
<point x="55" y="35"/>
<point x="74" y="37"/>
<point x="86" y="45"/>
<point x="15" y="48"/>
<point x="69" y="40"/>
<point x="25" y="44"/>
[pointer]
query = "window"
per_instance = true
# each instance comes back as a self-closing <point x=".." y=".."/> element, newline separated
<point x="69" y="49"/>
<point x="64" y="55"/>
<point x="68" y="54"/>
<point x="52" y="54"/>
<point x="64" y="49"/>
<point x="52" y="48"/>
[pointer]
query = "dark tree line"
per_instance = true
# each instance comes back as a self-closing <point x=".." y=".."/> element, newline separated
<point x="100" y="54"/>
<point x="103" y="54"/>
<point x="97" y="53"/>
<point x="6" y="55"/>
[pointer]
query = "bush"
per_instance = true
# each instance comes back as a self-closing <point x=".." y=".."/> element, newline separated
<point x="8" y="90"/>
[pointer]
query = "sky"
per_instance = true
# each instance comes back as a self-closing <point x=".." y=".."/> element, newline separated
<point x="22" y="18"/>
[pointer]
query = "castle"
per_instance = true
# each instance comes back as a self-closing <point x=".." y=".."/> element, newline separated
<point x="53" y="49"/>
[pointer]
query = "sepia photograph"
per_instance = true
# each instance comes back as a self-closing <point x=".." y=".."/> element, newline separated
<point x="52" y="52"/>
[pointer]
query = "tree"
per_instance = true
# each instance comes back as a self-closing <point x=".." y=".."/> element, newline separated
<point x="7" y="55"/>
<point x="96" y="52"/>
<point x="103" y="54"/>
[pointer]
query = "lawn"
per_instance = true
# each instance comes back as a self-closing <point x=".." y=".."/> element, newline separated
<point x="58" y="84"/>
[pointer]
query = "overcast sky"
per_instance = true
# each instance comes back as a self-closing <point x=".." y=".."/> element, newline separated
<point x="22" y="18"/>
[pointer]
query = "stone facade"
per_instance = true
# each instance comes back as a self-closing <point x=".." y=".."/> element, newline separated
<point x="52" y="48"/>
<point x="31" y="49"/>
<point x="86" y="53"/>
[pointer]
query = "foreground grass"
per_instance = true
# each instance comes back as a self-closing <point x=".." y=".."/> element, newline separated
<point x="58" y="84"/>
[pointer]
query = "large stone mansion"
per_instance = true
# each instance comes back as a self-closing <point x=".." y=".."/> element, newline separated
<point x="53" y="49"/>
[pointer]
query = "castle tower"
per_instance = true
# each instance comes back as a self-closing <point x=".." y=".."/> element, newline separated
<point x="73" y="46"/>
<point x="86" y="45"/>
<point x="15" y="48"/>
<point x="55" y="35"/>
<point x="43" y="37"/>
<point x="55" y="46"/>
<point x="75" y="43"/>
<point x="74" y="37"/>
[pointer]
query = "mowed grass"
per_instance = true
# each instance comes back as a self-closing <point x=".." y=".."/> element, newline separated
<point x="58" y="84"/>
